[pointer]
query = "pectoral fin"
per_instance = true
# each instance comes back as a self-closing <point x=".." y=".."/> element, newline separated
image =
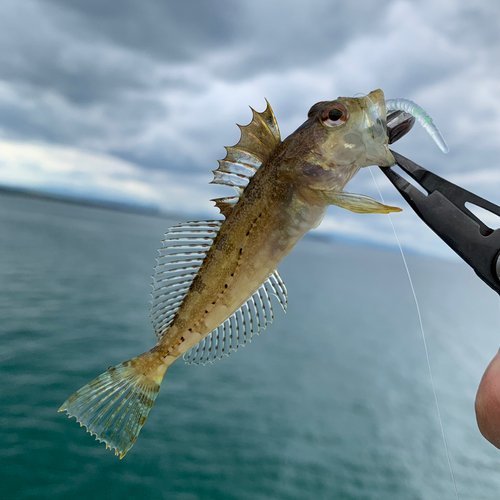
<point x="358" y="203"/>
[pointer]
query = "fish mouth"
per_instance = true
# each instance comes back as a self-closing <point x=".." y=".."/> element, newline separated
<point x="374" y="116"/>
<point x="376" y="136"/>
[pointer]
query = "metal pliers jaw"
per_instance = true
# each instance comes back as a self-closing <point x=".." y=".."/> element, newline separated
<point x="443" y="210"/>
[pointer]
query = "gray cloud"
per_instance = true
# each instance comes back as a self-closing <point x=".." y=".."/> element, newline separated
<point x="116" y="57"/>
<point x="161" y="83"/>
<point x="166" y="30"/>
<point x="267" y="35"/>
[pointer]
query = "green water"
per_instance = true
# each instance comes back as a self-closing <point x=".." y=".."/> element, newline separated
<point x="333" y="401"/>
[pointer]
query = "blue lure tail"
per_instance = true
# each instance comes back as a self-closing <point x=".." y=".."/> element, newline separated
<point x="421" y="116"/>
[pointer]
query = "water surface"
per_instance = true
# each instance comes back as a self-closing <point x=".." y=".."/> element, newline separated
<point x="333" y="401"/>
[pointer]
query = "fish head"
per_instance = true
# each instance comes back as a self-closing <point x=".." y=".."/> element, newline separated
<point x="350" y="131"/>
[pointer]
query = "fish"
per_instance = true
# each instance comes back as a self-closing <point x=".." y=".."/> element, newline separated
<point x="214" y="279"/>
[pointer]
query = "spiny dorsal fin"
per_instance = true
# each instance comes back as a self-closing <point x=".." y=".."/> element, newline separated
<point x="225" y="205"/>
<point x="239" y="328"/>
<point x="184" y="248"/>
<point x="242" y="160"/>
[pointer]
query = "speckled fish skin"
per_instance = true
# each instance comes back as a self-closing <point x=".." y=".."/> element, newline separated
<point x="286" y="197"/>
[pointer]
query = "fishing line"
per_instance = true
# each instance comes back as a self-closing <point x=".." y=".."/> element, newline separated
<point x="423" y="339"/>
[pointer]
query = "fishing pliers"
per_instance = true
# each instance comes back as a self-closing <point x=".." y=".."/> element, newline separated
<point x="443" y="209"/>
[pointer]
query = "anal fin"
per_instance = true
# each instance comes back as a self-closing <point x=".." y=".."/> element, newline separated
<point x="238" y="330"/>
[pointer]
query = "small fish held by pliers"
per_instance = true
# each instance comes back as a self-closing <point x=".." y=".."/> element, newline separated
<point x="214" y="279"/>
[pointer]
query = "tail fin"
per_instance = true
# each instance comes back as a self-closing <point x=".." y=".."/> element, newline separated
<point x="115" y="405"/>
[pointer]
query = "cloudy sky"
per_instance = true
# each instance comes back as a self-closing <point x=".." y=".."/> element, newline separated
<point x="134" y="101"/>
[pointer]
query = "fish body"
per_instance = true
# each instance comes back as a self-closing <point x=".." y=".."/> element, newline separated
<point x="214" y="279"/>
<point x="278" y="207"/>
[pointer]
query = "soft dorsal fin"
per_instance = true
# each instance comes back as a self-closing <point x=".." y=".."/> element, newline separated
<point x="242" y="160"/>
<point x="184" y="248"/>
<point x="238" y="329"/>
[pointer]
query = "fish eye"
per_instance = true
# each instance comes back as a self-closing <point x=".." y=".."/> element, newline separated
<point x="334" y="116"/>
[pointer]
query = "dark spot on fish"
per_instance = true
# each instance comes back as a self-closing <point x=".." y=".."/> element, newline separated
<point x="197" y="285"/>
<point x="312" y="170"/>
<point x="190" y="329"/>
<point x="260" y="215"/>
<point x="225" y="286"/>
<point x="182" y="339"/>
<point x="232" y="274"/>
<point x="142" y="420"/>
<point x="221" y="242"/>
<point x="248" y="232"/>
<point x="206" y="312"/>
<point x="241" y="250"/>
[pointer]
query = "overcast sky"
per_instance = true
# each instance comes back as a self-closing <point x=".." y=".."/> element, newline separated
<point x="134" y="101"/>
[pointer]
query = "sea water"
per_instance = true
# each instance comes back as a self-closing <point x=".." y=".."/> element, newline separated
<point x="333" y="400"/>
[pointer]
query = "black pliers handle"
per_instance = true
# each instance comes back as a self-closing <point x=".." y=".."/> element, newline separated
<point x="443" y="210"/>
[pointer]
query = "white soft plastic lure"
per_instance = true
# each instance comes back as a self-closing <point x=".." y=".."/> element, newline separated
<point x="421" y="116"/>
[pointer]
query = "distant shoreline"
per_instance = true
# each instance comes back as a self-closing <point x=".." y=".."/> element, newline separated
<point x="179" y="216"/>
<point x="111" y="205"/>
<point x="85" y="202"/>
